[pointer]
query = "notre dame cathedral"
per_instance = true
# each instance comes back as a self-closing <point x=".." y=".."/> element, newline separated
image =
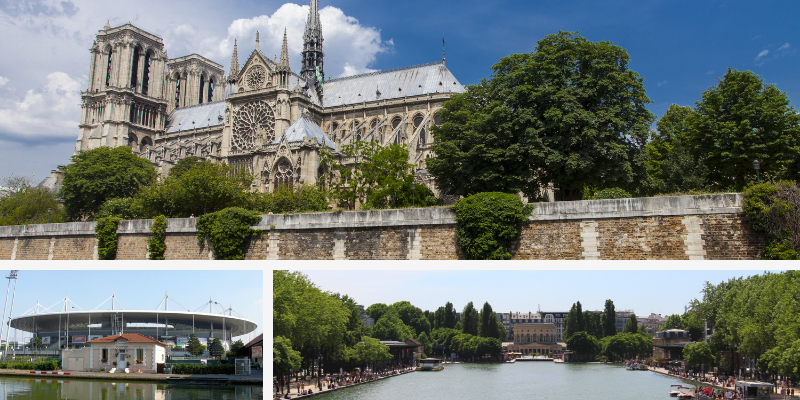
<point x="262" y="117"/>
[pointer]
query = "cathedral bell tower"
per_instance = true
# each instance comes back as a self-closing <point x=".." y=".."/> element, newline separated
<point x="313" y="71"/>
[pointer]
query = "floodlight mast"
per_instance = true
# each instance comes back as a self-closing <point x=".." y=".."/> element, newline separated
<point x="13" y="276"/>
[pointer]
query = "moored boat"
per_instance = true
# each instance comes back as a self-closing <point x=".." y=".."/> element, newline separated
<point x="430" y="364"/>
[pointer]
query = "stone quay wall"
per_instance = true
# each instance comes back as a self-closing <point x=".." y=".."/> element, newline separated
<point x="653" y="228"/>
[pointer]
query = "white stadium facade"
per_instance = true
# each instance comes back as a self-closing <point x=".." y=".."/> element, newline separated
<point x="71" y="327"/>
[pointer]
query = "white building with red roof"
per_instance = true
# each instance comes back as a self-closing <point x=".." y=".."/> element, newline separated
<point x="125" y="352"/>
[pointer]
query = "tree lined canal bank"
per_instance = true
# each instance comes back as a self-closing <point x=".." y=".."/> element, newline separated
<point x="545" y="381"/>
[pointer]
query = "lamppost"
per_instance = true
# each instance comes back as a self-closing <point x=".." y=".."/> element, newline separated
<point x="413" y="193"/>
<point x="757" y="166"/>
<point x="48" y="214"/>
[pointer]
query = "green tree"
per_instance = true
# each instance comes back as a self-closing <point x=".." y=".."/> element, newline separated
<point x="671" y="167"/>
<point x="571" y="322"/>
<point x="391" y="327"/>
<point x="215" y="348"/>
<point x="22" y="203"/>
<point x="632" y="325"/>
<point x="673" y="322"/>
<point x="570" y="114"/>
<point x="284" y="358"/>
<point x="699" y="354"/>
<point x="183" y="165"/>
<point x="609" y="319"/>
<point x="469" y="320"/>
<point x="305" y="198"/>
<point x="100" y="174"/>
<point x="739" y="120"/>
<point x="411" y="316"/>
<point x="377" y="310"/>
<point x="238" y="349"/>
<point x="488" y="322"/>
<point x="204" y="188"/>
<point x="194" y="347"/>
<point x="584" y="345"/>
<point x="368" y="350"/>
<point x="449" y="315"/>
<point x="594" y="326"/>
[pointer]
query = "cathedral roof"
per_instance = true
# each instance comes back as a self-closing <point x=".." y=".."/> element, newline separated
<point x="206" y="114"/>
<point x="391" y="84"/>
<point x="305" y="127"/>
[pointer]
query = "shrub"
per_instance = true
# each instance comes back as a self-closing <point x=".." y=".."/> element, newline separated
<point x="611" y="193"/>
<point x="228" y="231"/>
<point x="774" y="208"/>
<point x="306" y="198"/>
<point x="488" y="222"/>
<point x="106" y="235"/>
<point x="155" y="244"/>
<point x="191" y="369"/>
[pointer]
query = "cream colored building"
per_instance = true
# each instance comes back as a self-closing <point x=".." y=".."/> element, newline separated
<point x="262" y="117"/>
<point x="137" y="353"/>
<point x="535" y="338"/>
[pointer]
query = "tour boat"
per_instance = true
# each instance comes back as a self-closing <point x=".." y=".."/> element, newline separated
<point x="676" y="392"/>
<point x="430" y="364"/>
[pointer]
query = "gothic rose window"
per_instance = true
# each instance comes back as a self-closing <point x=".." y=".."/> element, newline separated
<point x="283" y="174"/>
<point x="256" y="77"/>
<point x="251" y="121"/>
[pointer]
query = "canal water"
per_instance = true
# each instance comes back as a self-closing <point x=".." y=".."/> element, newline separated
<point x="13" y="388"/>
<point x="521" y="380"/>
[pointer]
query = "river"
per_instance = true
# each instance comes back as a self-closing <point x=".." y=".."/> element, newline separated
<point x="521" y="380"/>
<point x="13" y="388"/>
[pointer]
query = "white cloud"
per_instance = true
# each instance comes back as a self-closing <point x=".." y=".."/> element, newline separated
<point x="349" y="46"/>
<point x="46" y="112"/>
<point x="3" y="80"/>
<point x="662" y="83"/>
<point x="785" y="46"/>
<point x="762" y="54"/>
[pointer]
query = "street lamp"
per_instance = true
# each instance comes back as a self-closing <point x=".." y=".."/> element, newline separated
<point x="757" y="166"/>
<point x="48" y="214"/>
<point x="413" y="193"/>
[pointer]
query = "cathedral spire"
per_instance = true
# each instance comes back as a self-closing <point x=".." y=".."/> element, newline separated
<point x="234" y="62"/>
<point x="257" y="41"/>
<point x="313" y="70"/>
<point x="285" y="50"/>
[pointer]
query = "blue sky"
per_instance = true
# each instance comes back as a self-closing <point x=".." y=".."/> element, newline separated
<point x="139" y="290"/>
<point x="662" y="292"/>
<point x="680" y="48"/>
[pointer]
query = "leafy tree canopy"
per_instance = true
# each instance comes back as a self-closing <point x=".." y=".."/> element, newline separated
<point x="97" y="175"/>
<point x="742" y="119"/>
<point x="22" y="203"/>
<point x="570" y="114"/>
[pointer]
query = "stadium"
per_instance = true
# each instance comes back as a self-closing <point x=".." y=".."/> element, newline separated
<point x="71" y="327"/>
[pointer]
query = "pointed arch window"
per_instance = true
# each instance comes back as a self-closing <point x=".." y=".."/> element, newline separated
<point x="177" y="90"/>
<point x="210" y="90"/>
<point x="108" y="69"/>
<point x="146" y="75"/>
<point x="202" y="87"/>
<point x="135" y="68"/>
<point x="284" y="176"/>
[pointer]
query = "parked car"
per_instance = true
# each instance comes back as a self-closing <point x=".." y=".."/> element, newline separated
<point x="255" y="365"/>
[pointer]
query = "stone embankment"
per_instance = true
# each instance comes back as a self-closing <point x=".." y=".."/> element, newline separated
<point x="705" y="227"/>
<point x="156" y="378"/>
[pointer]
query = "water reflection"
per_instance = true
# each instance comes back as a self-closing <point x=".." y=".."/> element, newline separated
<point x="57" y="389"/>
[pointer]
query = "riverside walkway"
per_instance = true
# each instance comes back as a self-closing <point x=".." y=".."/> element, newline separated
<point x="708" y="382"/>
<point x="312" y="384"/>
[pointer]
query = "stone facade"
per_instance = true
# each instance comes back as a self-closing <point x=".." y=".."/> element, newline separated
<point x="263" y="117"/>
<point x="652" y="229"/>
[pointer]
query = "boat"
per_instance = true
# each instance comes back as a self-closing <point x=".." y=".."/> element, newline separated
<point x="677" y="391"/>
<point x="430" y="364"/>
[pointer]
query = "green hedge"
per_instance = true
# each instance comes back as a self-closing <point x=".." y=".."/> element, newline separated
<point x="611" y="193"/>
<point x="488" y="223"/>
<point x="106" y="235"/>
<point x="228" y="231"/>
<point x="155" y="245"/>
<point x="774" y="208"/>
<point x="192" y="369"/>
<point x="38" y="366"/>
